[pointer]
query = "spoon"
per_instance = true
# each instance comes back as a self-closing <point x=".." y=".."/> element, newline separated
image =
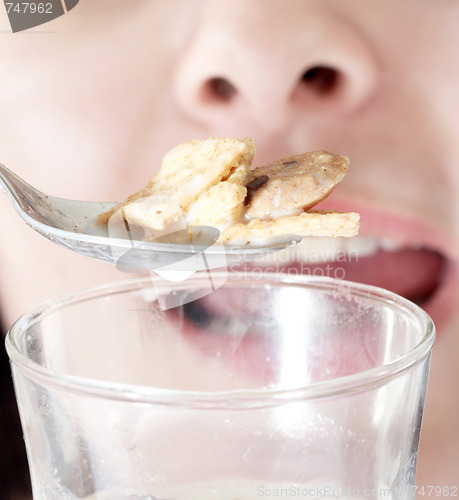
<point x="73" y="225"/>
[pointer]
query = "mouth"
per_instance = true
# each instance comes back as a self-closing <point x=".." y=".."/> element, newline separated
<point x="415" y="272"/>
<point x="405" y="254"/>
<point x="412" y="271"/>
<point x="422" y="274"/>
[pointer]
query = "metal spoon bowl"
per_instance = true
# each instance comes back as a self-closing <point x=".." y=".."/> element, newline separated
<point x="73" y="225"/>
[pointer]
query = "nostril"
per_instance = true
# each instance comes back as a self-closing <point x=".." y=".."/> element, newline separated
<point x="218" y="89"/>
<point x="321" y="79"/>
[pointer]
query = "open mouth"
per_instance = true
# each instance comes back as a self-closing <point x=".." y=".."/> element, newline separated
<point x="412" y="271"/>
<point x="415" y="272"/>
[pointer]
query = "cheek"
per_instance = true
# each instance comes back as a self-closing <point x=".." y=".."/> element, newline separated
<point x="86" y="107"/>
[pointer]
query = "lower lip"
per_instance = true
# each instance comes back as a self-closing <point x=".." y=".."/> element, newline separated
<point x="256" y="356"/>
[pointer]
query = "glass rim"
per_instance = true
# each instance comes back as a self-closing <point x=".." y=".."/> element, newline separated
<point x="244" y="398"/>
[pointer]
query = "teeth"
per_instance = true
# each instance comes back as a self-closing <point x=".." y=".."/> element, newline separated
<point x="362" y="246"/>
<point x="331" y="249"/>
<point x="389" y="246"/>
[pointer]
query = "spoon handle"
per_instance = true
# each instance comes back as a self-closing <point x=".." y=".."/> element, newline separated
<point x="27" y="200"/>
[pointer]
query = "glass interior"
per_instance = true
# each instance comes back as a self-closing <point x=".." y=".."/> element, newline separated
<point x="250" y="334"/>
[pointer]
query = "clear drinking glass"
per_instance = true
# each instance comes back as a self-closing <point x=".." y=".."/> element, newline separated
<point x="271" y="386"/>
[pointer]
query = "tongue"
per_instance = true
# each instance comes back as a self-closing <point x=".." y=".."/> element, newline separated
<point x="414" y="274"/>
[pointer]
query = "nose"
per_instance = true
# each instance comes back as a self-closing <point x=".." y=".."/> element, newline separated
<point x="267" y="63"/>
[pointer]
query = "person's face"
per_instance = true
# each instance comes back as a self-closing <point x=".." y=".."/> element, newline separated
<point x="91" y="105"/>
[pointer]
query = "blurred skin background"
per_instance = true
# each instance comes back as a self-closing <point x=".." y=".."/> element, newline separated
<point x="90" y="102"/>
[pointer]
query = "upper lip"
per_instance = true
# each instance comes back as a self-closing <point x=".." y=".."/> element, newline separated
<point x="396" y="226"/>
